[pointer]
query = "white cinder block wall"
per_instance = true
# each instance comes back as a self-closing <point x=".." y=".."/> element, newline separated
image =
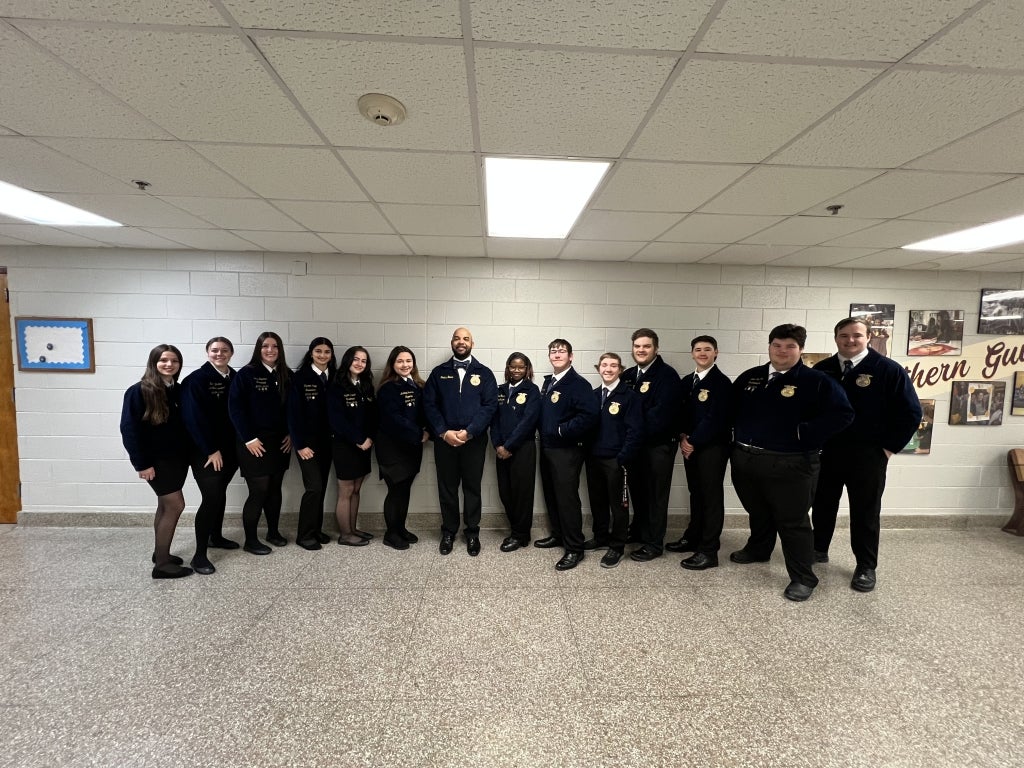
<point x="71" y="456"/>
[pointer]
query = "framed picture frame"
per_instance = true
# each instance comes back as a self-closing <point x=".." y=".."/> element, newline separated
<point x="55" y="344"/>
<point x="921" y="443"/>
<point x="1001" y="312"/>
<point x="880" y="319"/>
<point x="1017" y="406"/>
<point x="935" y="332"/>
<point x="977" y="403"/>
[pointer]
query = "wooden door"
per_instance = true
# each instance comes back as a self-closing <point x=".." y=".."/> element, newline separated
<point x="10" y="487"/>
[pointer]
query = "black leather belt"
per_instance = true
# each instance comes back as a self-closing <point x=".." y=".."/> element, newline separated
<point x="765" y="452"/>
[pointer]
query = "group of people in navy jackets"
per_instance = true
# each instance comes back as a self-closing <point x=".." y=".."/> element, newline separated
<point x="776" y="423"/>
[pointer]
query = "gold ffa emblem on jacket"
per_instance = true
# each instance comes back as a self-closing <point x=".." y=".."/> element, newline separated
<point x="521" y="398"/>
<point x="555" y="396"/>
<point x="703" y="395"/>
<point x="475" y="379"/>
<point x="645" y="386"/>
<point x="864" y="380"/>
<point x="789" y="390"/>
<point x="613" y="408"/>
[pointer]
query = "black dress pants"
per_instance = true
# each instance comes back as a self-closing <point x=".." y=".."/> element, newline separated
<point x="560" y="470"/>
<point x="396" y="504"/>
<point x="460" y="465"/>
<point x="705" y="478"/>
<point x="516" y="478"/>
<point x="604" y="488"/>
<point x="316" y="476"/>
<point x="650" y="481"/>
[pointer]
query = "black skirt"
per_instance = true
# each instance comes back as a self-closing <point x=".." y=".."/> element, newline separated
<point x="171" y="472"/>
<point x="350" y="463"/>
<point x="272" y="462"/>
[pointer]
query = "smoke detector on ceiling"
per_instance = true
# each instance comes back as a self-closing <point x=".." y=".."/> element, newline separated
<point x="381" y="109"/>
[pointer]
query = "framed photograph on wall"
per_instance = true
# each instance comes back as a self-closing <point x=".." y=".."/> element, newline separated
<point x="977" y="403"/>
<point x="921" y="443"/>
<point x="811" y="359"/>
<point x="935" y="332"/>
<point x="1017" y="407"/>
<point x="880" y="319"/>
<point x="1001" y="311"/>
<point x="55" y="344"/>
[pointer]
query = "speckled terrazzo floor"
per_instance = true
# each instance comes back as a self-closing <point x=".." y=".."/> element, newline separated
<point x="371" y="657"/>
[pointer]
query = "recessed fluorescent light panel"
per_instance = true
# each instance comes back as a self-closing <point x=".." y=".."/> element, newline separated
<point x="538" y="198"/>
<point x="994" y="235"/>
<point x="39" y="209"/>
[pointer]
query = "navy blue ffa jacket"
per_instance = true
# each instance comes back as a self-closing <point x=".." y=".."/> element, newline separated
<point x="351" y="410"/>
<point x="204" y="406"/>
<point x="307" y="410"/>
<point x="255" y="403"/>
<point x="568" y="411"/>
<point x="515" y="420"/>
<point x="706" y="413"/>
<point x="146" y="442"/>
<point x="471" y="409"/>
<point x="795" y="413"/>
<point x="887" y="410"/>
<point x="400" y="409"/>
<point x="620" y="430"/>
<point x="658" y="388"/>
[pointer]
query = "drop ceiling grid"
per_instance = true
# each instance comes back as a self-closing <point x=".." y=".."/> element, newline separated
<point x="422" y="18"/>
<point x="649" y="186"/>
<point x="286" y="242"/>
<point x="892" y="234"/>
<point x="236" y="213"/>
<point x="992" y="37"/>
<point x="434" y="219"/>
<point x="623" y="225"/>
<point x="808" y="230"/>
<point x="29" y="164"/>
<point x="135" y="210"/>
<point x="675" y="253"/>
<point x="346" y="218"/>
<point x="189" y="12"/>
<point x="416" y="177"/>
<point x="599" y="250"/>
<point x="822" y="256"/>
<point x="435" y="245"/>
<point x="328" y="77"/>
<point x="205" y="239"/>
<point x="994" y="149"/>
<point x="991" y="204"/>
<point x="774" y="190"/>
<point x="740" y="253"/>
<point x="729" y="111"/>
<point x="367" y="244"/>
<point x="125" y="237"/>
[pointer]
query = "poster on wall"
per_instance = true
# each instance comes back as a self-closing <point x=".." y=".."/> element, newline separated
<point x="1001" y="311"/>
<point x="880" y="319"/>
<point x="921" y="443"/>
<point x="1017" y="408"/>
<point x="977" y="403"/>
<point x="935" y="332"/>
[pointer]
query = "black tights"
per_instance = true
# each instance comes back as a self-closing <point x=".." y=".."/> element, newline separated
<point x="168" y="509"/>
<point x="265" y="496"/>
<point x="210" y="515"/>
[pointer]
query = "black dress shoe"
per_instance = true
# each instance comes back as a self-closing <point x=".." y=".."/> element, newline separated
<point x="257" y="548"/>
<point x="219" y="542"/>
<point x="395" y="541"/>
<point x="409" y="536"/>
<point x="797" y="592"/>
<point x="743" y="557"/>
<point x="683" y="545"/>
<point x="700" y="562"/>
<point x="595" y="543"/>
<point x="645" y="554"/>
<point x="363" y="534"/>
<point x="473" y="546"/>
<point x="511" y="544"/>
<point x="569" y="561"/>
<point x="820" y="557"/>
<point x="202" y="566"/>
<point x="548" y="542"/>
<point x="863" y="579"/>
<point x="310" y="544"/>
<point x="323" y="538"/>
<point x="447" y="542"/>
<point x="357" y="543"/>
<point x="277" y="539"/>
<point x="170" y="571"/>
<point x="611" y="558"/>
<point x="172" y="559"/>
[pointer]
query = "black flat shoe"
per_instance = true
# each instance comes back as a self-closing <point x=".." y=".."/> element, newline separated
<point x="548" y="542"/>
<point x="645" y="554"/>
<point x="743" y="557"/>
<point x="700" y="562"/>
<point x="357" y="543"/>
<point x="172" y="559"/>
<point x="363" y="535"/>
<point x="310" y="544"/>
<point x="171" y="571"/>
<point x="683" y="545"/>
<point x="511" y="544"/>
<point x="323" y="538"/>
<point x="219" y="542"/>
<point x="409" y="536"/>
<point x="202" y="565"/>
<point x="863" y="579"/>
<point x="395" y="542"/>
<point x="797" y="592"/>
<point x="257" y="548"/>
<point x="277" y="539"/>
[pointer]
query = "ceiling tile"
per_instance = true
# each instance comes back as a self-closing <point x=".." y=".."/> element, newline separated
<point x="905" y="115"/>
<point x="286" y="242"/>
<point x="34" y="233"/>
<point x="656" y="24"/>
<point x="727" y="111"/>
<point x="523" y="248"/>
<point x="997" y="149"/>
<point x="877" y="30"/>
<point x="198" y="86"/>
<point x="1008" y="266"/>
<point x="968" y="260"/>
<point x="425" y="245"/>
<point x="991" y="204"/>
<point x="135" y="210"/>
<point x="749" y="254"/>
<point x="892" y="234"/>
<point x="191" y="12"/>
<point x="171" y="167"/>
<point x="775" y="190"/>
<point x="458" y="220"/>
<point x="124" y="237"/>
<point x="623" y="225"/>
<point x="371" y="245"/>
<point x="992" y="37"/>
<point x="598" y="250"/>
<point x="362" y="218"/>
<point x="11" y="240"/>
<point x="710" y="228"/>
<point x="676" y="253"/>
<point x="821" y="256"/>
<point x="423" y="18"/>
<point x="581" y="104"/>
<point x="809" y="230"/>
<point x="643" y="186"/>
<point x="329" y="76"/>
<point x="416" y="177"/>
<point x="286" y="173"/>
<point x="236" y="213"/>
<point x="72" y="105"/>
<point x="205" y="239"/>
<point x="897" y="193"/>
<point x="30" y="165"/>
<point x="895" y="258"/>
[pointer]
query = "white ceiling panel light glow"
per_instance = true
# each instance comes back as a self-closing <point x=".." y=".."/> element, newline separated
<point x="993" y="235"/>
<point x="31" y="206"/>
<point x="538" y="198"/>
